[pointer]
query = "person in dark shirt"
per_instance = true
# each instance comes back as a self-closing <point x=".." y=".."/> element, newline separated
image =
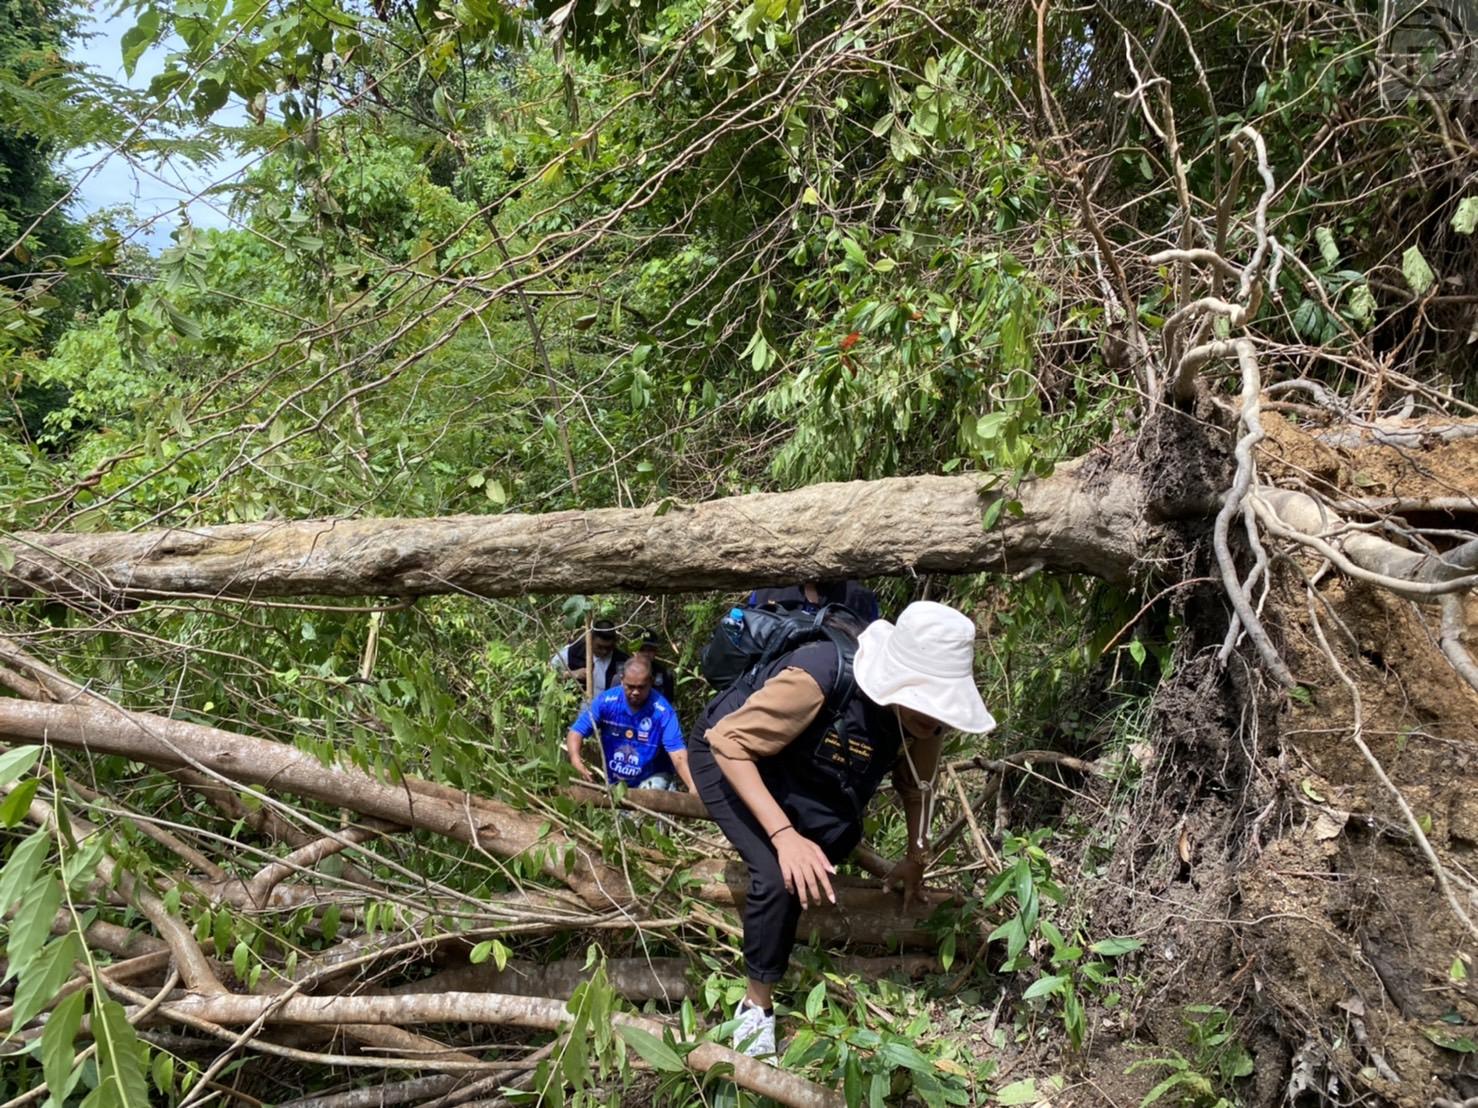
<point x="661" y="676"/>
<point x="811" y="596"/>
<point x="788" y="781"/>
<point x="606" y="659"/>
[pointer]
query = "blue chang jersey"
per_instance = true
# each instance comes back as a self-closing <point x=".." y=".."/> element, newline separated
<point x="635" y="744"/>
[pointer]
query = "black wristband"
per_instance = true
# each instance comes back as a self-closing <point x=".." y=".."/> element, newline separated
<point x="787" y="827"/>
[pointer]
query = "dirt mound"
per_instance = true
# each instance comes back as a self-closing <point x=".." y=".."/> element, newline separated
<point x="1269" y="869"/>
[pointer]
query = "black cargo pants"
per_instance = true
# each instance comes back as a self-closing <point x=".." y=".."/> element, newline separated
<point x="770" y="913"/>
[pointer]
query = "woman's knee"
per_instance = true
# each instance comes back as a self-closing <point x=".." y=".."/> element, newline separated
<point x="766" y="882"/>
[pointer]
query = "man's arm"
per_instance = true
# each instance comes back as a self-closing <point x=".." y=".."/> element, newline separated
<point x="584" y="726"/>
<point x="765" y="724"/>
<point x="573" y="741"/>
<point x="680" y="763"/>
<point x="677" y="750"/>
<point x="560" y="663"/>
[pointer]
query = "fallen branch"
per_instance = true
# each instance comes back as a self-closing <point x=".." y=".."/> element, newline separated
<point x="259" y="888"/>
<point x="636" y="979"/>
<point x="1300" y="518"/>
<point x="173" y="744"/>
<point x="542" y="1013"/>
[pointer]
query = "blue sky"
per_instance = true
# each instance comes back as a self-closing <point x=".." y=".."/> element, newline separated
<point x="110" y="181"/>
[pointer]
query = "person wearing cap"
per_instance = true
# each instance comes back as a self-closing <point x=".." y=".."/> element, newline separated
<point x="661" y="676"/>
<point x="789" y="784"/>
<point x="606" y="658"/>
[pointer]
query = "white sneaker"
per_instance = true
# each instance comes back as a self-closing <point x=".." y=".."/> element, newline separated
<point x="755" y="1035"/>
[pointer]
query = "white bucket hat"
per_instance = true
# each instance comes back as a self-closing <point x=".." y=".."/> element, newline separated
<point x="926" y="663"/>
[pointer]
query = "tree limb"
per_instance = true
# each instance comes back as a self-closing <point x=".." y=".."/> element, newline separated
<point x="516" y="1011"/>
<point x="1074" y="520"/>
<point x="170" y="743"/>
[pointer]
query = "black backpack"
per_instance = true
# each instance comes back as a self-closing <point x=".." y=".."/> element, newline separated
<point x="749" y="639"/>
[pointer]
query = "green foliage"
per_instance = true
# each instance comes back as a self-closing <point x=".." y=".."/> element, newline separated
<point x="1074" y="968"/>
<point x="647" y="253"/>
<point x="1204" y="1076"/>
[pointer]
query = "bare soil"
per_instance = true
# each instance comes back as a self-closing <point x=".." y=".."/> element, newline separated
<point x="1268" y="869"/>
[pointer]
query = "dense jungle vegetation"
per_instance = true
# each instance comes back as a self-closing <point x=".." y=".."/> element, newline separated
<point x="1184" y="295"/>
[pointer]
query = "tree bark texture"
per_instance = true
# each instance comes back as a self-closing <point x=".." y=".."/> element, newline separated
<point x="170" y="744"/>
<point x="1085" y="518"/>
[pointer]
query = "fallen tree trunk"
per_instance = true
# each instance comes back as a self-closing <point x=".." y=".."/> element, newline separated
<point x="1084" y="518"/>
<point x="636" y="979"/>
<point x="170" y="744"/>
<point x="514" y="1011"/>
<point x="864" y="912"/>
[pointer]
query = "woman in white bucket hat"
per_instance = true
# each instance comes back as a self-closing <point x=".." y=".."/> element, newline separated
<point x="788" y="777"/>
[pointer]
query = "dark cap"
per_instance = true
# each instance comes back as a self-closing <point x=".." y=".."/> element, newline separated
<point x="604" y="630"/>
<point x="649" y="637"/>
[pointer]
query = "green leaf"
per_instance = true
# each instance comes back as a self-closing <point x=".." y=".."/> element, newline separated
<point x="500" y="955"/>
<point x="57" y="1052"/>
<point x="32" y="924"/>
<point x="947" y="951"/>
<point x="1018" y="1092"/>
<point x="120" y="1062"/>
<point x="1417" y="272"/>
<point x="480" y="952"/>
<point x="759" y="353"/>
<point x="181" y="324"/>
<point x="1196" y="1082"/>
<point x="810" y="196"/>
<point x="45" y="977"/>
<point x="1044" y="986"/>
<point x="25" y="863"/>
<point x="495" y="492"/>
<point x="163" y="1071"/>
<point x="1137" y="652"/>
<point x="15" y="762"/>
<point x="139" y="38"/>
<point x="993" y="512"/>
<point x="1362" y="304"/>
<point x="653" y="1050"/>
<point x="1449" y="1040"/>
<point x="1465" y="219"/>
<point x="883" y="126"/>
<point x="1112" y="948"/>
<point x="1457" y="971"/>
<point x="241" y="961"/>
<point x="815" y="1000"/>
<point x="14" y="807"/>
<point x="855" y="254"/>
<point x="7" y="559"/>
<point x="1325" y="238"/>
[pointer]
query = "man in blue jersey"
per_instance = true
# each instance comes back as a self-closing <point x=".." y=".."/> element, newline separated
<point x="641" y="740"/>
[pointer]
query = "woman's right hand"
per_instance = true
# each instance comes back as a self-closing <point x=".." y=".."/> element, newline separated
<point x="805" y="867"/>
